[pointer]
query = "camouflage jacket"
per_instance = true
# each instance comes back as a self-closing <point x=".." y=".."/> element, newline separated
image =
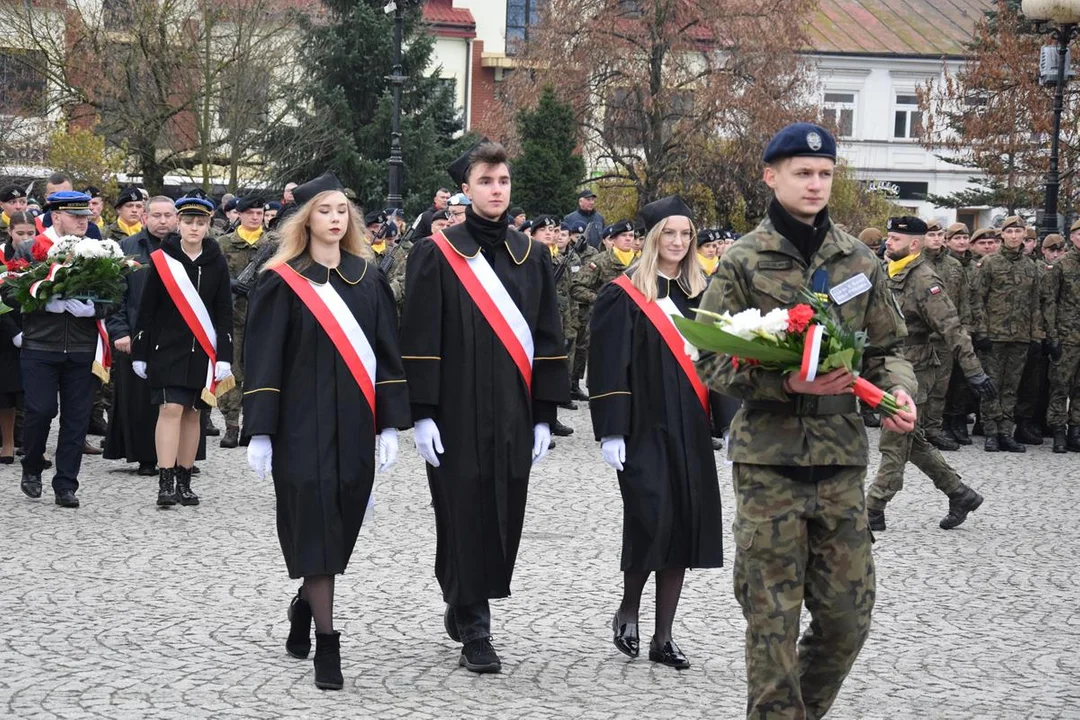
<point x="1061" y="293"/>
<point x="1005" y="298"/>
<point x="955" y="278"/>
<point x="564" y="265"/>
<point x="112" y="231"/>
<point x="930" y="315"/>
<point x="594" y="274"/>
<point x="764" y="270"/>
<point x="395" y="272"/>
<point x="238" y="254"/>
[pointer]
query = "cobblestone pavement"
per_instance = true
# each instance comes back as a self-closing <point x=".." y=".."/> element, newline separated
<point x="121" y="610"/>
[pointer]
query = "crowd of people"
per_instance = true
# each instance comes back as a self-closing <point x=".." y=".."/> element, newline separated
<point x="320" y="332"/>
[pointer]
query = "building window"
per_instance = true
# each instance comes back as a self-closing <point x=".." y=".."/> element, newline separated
<point x="22" y="82"/>
<point x="520" y="16"/>
<point x="839" y="111"/>
<point x="907" y="122"/>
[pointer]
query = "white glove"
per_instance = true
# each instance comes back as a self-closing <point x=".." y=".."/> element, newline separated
<point x="260" y="455"/>
<point x="17" y="340"/>
<point x="139" y="367"/>
<point x="613" y="449"/>
<point x="428" y="441"/>
<point x="222" y="370"/>
<point x="388" y="448"/>
<point x="541" y="441"/>
<point x="80" y="308"/>
<point x="55" y="305"/>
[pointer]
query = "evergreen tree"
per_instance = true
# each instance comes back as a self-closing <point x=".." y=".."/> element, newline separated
<point x="548" y="174"/>
<point x="346" y="107"/>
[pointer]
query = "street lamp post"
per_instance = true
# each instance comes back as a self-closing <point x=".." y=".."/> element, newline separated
<point x="397" y="79"/>
<point x="1067" y="14"/>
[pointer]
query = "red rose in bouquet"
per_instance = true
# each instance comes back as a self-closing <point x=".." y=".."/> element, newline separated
<point x="39" y="252"/>
<point x="16" y="265"/>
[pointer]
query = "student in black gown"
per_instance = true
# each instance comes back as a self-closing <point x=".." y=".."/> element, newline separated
<point x="21" y="232"/>
<point x="306" y="417"/>
<point x="654" y="430"/>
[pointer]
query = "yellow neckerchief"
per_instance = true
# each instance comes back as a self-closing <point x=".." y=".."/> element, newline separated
<point x="895" y="266"/>
<point x="6" y="219"/>
<point x="249" y="236"/>
<point x="624" y="256"/>
<point x="379" y="247"/>
<point x="554" y="251"/>
<point x="100" y="223"/>
<point x="708" y="264"/>
<point x="129" y="229"/>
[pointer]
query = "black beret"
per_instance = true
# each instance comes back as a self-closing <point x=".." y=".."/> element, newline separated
<point x="11" y="192"/>
<point x="375" y="217"/>
<point x="230" y="205"/>
<point x="92" y="191"/>
<point x="546" y="221"/>
<point x="800" y="139"/>
<point x="577" y="227"/>
<point x="515" y="211"/>
<point x="618" y="228"/>
<point x="667" y="207"/>
<point x="906" y="225"/>
<point x="272" y="205"/>
<point x="527" y="225"/>
<point x="127" y="195"/>
<point x="708" y="235"/>
<point x="197" y="192"/>
<point x="249" y="202"/>
<point x="326" y="181"/>
<point x="459" y="169"/>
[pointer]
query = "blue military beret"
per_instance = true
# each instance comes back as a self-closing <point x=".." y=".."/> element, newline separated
<point x="272" y="205"/>
<point x="800" y="139"/>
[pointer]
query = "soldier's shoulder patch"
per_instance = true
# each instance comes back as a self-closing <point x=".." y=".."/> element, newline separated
<point x="935" y="290"/>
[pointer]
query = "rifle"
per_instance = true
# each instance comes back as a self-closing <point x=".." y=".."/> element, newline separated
<point x="246" y="279"/>
<point x="387" y="260"/>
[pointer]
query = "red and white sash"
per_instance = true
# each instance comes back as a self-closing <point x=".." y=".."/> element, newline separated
<point x="192" y="308"/>
<point x="659" y="314"/>
<point x="340" y="324"/>
<point x="494" y="303"/>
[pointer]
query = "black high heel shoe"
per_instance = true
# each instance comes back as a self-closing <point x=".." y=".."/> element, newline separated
<point x="625" y="637"/>
<point x="669" y="655"/>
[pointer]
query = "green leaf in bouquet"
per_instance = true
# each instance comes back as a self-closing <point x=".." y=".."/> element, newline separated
<point x="838" y="359"/>
<point x="713" y="339"/>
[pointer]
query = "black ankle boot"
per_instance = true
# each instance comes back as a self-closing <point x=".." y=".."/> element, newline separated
<point x="166" y="496"/>
<point x="184" y="495"/>
<point x="298" y="643"/>
<point x="328" y="661"/>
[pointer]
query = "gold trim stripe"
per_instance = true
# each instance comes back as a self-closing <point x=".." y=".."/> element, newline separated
<point x="389" y="382"/>
<point x="617" y="392"/>
<point x="420" y="357"/>
<point x="249" y="392"/>
<point x="556" y="357"/>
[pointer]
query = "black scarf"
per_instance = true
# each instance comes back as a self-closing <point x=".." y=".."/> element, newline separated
<point x="806" y="238"/>
<point x="488" y="234"/>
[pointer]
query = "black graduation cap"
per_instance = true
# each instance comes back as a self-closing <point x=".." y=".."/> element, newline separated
<point x="906" y="225"/>
<point x="667" y="207"/>
<point x="127" y="195"/>
<point x="459" y="169"/>
<point x="326" y="181"/>
<point x="249" y="202"/>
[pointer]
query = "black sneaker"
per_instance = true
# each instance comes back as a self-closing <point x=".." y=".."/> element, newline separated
<point x="66" y="498"/>
<point x="31" y="485"/>
<point x="479" y="656"/>
<point x="560" y="430"/>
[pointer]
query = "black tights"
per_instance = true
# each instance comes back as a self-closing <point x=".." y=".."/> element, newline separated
<point x="319" y="593"/>
<point x="668" y="589"/>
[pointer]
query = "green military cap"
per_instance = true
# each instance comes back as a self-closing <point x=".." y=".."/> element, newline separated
<point x="932" y="225"/>
<point x="871" y="237"/>
<point x="1013" y="221"/>
<point x="1053" y="241"/>
<point x="1030" y="233"/>
<point x="1075" y="226"/>
<point x="986" y="232"/>
<point x="957" y="229"/>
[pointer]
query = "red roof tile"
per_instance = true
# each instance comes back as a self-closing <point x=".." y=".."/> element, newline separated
<point x="906" y="27"/>
<point x="443" y="12"/>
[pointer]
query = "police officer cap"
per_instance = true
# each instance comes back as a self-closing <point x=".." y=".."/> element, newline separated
<point x="906" y="225"/>
<point x="1053" y="241"/>
<point x="1012" y="221"/>
<point x="459" y="169"/>
<point x="459" y="200"/>
<point x="661" y="209"/>
<point x="545" y="221"/>
<point x="986" y="232"/>
<point x="957" y="229"/>
<point x="194" y="206"/>
<point x="375" y="217"/>
<point x="249" y="202"/>
<point x="11" y="192"/>
<point x="69" y="201"/>
<point x="127" y="195"/>
<point x="325" y="182"/>
<point x="801" y="139"/>
<point x="272" y="205"/>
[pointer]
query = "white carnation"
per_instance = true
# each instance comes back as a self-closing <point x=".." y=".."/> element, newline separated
<point x="745" y="324"/>
<point x="111" y="248"/>
<point x="88" y="248"/>
<point x="775" y="322"/>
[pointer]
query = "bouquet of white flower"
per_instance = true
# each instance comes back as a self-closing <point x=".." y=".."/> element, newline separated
<point x="72" y="268"/>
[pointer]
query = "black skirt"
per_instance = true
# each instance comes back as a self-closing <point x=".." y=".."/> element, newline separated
<point x="187" y="397"/>
<point x="10" y="400"/>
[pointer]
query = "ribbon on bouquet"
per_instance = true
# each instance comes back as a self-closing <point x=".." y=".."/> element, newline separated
<point x="811" y="357"/>
<point x="49" y="277"/>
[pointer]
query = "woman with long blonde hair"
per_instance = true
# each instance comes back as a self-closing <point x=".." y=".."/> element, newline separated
<point x="649" y="412"/>
<point x="324" y="379"/>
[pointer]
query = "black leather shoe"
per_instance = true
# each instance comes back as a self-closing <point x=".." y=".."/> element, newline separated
<point x="31" y="485"/>
<point x="960" y="430"/>
<point x="298" y="644"/>
<point x="876" y="519"/>
<point x="450" y="627"/>
<point x="184" y="494"/>
<point x="943" y="442"/>
<point x="147" y="469"/>
<point x="480" y="657"/>
<point x="961" y="502"/>
<point x="576" y="393"/>
<point x="625" y="636"/>
<point x="717" y="443"/>
<point x="1072" y="442"/>
<point x="328" y="661"/>
<point x="1027" y="433"/>
<point x="551" y="445"/>
<point x="1006" y="443"/>
<point x="669" y="655"/>
<point x="7" y="459"/>
<point x="97" y="427"/>
<point x="1060" y="443"/>
<point x="195" y="470"/>
<point x="166" y="487"/>
<point x="66" y="498"/>
<point x="560" y="430"/>
<point x="569" y="405"/>
<point x="990" y="444"/>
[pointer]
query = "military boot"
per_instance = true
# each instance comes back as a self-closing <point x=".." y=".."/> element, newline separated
<point x="184" y="495"/>
<point x="231" y="438"/>
<point x="990" y="444"/>
<point x="1006" y="443"/>
<point x="960" y="429"/>
<point x="576" y="393"/>
<point x="961" y="502"/>
<point x="943" y="441"/>
<point x="166" y="496"/>
<point x="1060" y="444"/>
<point x="876" y="519"/>
<point x="1027" y="433"/>
<point x="1073" y="441"/>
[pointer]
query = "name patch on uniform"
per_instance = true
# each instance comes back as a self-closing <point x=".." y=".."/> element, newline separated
<point x="774" y="265"/>
<point x="936" y="290"/>
<point x="853" y="287"/>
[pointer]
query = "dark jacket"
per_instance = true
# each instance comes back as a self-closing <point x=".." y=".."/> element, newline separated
<point x="163" y="339"/>
<point x="121" y="324"/>
<point x="61" y="332"/>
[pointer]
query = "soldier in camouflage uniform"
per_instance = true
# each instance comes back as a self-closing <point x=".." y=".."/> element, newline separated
<point x="1007" y="315"/>
<point x="1033" y="403"/>
<point x="934" y="337"/>
<point x="585" y="253"/>
<point x="954" y="284"/>
<point x="1062" y="295"/>
<point x="799" y="449"/>
<point x="129" y="208"/>
<point x="960" y="399"/>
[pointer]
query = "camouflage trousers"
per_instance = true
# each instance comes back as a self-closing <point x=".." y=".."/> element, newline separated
<point x="232" y="402"/>
<point x="571" y="350"/>
<point x="102" y="404"/>
<point x="801" y="542"/>
<point x="1065" y="388"/>
<point x="1004" y="363"/>
<point x="897" y="449"/>
<point x="580" y="355"/>
<point x="937" y="388"/>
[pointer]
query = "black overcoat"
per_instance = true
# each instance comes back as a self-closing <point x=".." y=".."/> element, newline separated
<point x="637" y="389"/>
<point x="299" y="391"/>
<point x="461" y="375"/>
<point x="163" y="339"/>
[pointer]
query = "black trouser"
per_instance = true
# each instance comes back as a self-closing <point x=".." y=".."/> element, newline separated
<point x="47" y="375"/>
<point x="473" y="621"/>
